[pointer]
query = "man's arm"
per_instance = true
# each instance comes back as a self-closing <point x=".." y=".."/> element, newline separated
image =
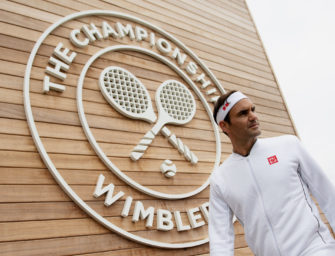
<point x="319" y="184"/>
<point x="221" y="229"/>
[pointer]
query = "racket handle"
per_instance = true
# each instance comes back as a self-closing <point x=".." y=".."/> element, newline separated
<point x="178" y="144"/>
<point x="147" y="139"/>
<point x="142" y="146"/>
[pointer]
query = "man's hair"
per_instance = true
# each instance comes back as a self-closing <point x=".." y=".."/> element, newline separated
<point x="219" y="103"/>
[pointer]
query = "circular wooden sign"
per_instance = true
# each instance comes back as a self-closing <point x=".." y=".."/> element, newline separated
<point x="130" y="135"/>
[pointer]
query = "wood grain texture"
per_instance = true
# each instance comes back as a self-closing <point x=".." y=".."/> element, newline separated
<point x="36" y="216"/>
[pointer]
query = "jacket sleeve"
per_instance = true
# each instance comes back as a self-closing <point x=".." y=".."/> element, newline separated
<point x="221" y="229"/>
<point x="318" y="183"/>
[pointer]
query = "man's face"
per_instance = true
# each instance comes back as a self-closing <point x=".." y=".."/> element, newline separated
<point x="244" y="124"/>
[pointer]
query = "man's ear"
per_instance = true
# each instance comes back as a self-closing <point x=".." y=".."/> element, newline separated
<point x="224" y="126"/>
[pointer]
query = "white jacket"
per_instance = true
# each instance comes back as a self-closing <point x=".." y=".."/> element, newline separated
<point x="269" y="192"/>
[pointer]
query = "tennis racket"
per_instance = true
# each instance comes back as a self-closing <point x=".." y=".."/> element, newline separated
<point x="126" y="94"/>
<point x="176" y="105"/>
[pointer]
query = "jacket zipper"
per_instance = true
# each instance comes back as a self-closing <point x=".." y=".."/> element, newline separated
<point x="262" y="200"/>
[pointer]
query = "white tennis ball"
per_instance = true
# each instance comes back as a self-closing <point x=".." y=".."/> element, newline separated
<point x="168" y="168"/>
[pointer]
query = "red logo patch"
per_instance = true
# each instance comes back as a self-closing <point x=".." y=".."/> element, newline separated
<point x="225" y="106"/>
<point x="272" y="159"/>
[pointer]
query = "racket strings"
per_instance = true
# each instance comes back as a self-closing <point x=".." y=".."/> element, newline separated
<point x="177" y="101"/>
<point x="126" y="91"/>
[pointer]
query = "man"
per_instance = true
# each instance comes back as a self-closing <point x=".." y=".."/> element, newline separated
<point x="267" y="183"/>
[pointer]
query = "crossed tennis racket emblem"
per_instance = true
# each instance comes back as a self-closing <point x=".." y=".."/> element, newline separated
<point x="175" y="105"/>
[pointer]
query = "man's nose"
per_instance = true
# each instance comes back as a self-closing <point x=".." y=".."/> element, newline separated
<point x="252" y="116"/>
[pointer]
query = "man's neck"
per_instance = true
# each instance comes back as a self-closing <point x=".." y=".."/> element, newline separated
<point x="243" y="148"/>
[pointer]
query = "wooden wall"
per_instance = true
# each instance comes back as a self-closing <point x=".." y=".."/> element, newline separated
<point x="36" y="216"/>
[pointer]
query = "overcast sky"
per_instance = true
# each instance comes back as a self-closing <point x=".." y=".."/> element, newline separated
<point x="299" y="38"/>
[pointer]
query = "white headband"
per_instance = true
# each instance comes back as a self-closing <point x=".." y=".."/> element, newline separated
<point x="228" y="104"/>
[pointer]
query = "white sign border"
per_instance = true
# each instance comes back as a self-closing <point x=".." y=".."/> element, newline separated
<point x="45" y="157"/>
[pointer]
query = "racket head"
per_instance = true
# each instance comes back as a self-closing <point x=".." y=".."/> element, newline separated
<point x="175" y="102"/>
<point x="126" y="94"/>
